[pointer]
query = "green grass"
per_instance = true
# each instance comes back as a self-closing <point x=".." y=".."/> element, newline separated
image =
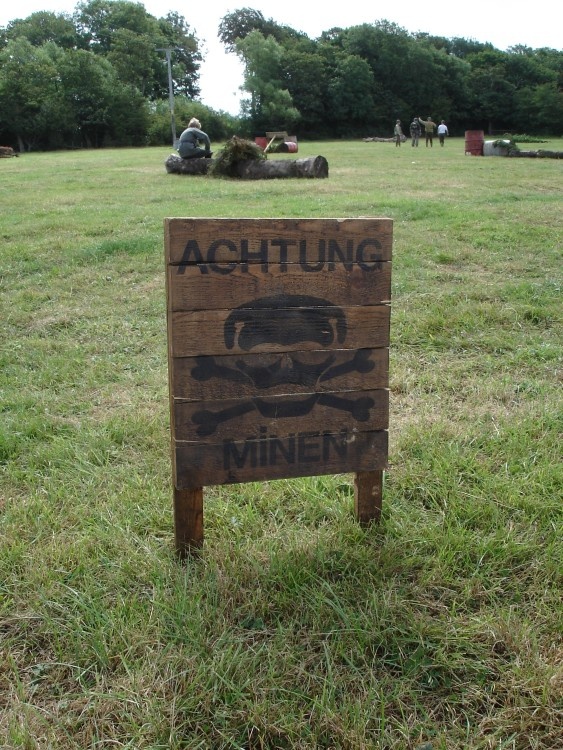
<point x="295" y="629"/>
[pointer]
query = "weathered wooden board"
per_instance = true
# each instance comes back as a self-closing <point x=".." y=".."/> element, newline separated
<point x="195" y="288"/>
<point x="278" y="242"/>
<point x="203" y="332"/>
<point x="268" y="457"/>
<point x="234" y="418"/>
<point x="225" y="377"/>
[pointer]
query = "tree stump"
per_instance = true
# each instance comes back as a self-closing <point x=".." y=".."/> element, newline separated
<point x="250" y="169"/>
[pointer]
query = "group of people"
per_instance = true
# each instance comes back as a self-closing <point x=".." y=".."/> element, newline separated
<point x="415" y="129"/>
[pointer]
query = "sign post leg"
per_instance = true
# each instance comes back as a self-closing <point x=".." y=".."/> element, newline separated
<point x="188" y="520"/>
<point x="368" y="496"/>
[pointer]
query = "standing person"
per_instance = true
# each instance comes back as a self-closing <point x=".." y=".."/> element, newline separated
<point x="415" y="131"/>
<point x="442" y="132"/>
<point x="193" y="135"/>
<point x="428" y="130"/>
<point x="398" y="133"/>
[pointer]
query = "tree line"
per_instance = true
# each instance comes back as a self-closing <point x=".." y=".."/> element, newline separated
<point x="99" y="77"/>
<point x="359" y="80"/>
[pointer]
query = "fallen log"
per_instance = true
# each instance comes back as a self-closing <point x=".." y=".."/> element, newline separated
<point x="375" y="139"/>
<point x="540" y="154"/>
<point x="313" y="166"/>
<point x="250" y="169"/>
<point x="7" y="151"/>
<point x="176" y="165"/>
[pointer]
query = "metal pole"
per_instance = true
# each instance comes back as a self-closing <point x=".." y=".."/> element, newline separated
<point x="168" y="52"/>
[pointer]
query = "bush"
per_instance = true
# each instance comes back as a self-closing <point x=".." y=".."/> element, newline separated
<point x="219" y="126"/>
<point x="523" y="138"/>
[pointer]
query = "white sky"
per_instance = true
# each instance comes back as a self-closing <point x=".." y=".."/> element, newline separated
<point x="533" y="24"/>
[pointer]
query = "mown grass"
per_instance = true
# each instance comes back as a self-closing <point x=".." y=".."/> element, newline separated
<point x="440" y="628"/>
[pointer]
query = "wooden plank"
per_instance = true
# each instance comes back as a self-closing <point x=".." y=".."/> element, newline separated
<point x="205" y="332"/>
<point x="213" y="421"/>
<point x="188" y="519"/>
<point x="303" y="454"/>
<point x="315" y="243"/>
<point x="232" y="376"/>
<point x="198" y="289"/>
<point x="273" y="138"/>
<point x="368" y="496"/>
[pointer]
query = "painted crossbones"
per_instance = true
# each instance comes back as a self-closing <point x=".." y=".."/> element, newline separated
<point x="287" y="368"/>
<point x="208" y="421"/>
<point x="312" y="324"/>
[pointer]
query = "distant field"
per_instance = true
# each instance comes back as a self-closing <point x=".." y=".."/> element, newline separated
<point x="441" y="628"/>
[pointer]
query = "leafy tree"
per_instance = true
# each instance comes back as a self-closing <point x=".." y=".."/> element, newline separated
<point x="29" y="88"/>
<point x="98" y="20"/>
<point x="306" y="76"/>
<point x="240" y="23"/>
<point x="270" y="105"/>
<point x="541" y="104"/>
<point x="548" y="100"/>
<point x="377" y="41"/>
<point x="44" y="26"/>
<point x="218" y="126"/>
<point x="113" y="27"/>
<point x="425" y="82"/>
<point x="351" y="93"/>
<point x="449" y="96"/>
<point x="186" y="58"/>
<point x="102" y="109"/>
<point x="523" y="68"/>
<point x="334" y="37"/>
<point x="457" y="46"/>
<point x="134" y="58"/>
<point x="385" y="47"/>
<point x="128" y="118"/>
<point x="551" y="60"/>
<point x="492" y="93"/>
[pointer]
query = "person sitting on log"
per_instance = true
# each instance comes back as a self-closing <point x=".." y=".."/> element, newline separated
<point x="193" y="135"/>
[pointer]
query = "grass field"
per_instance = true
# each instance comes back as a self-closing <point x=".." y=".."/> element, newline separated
<point x="440" y="629"/>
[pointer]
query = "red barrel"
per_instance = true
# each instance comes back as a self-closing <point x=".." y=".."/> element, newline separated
<point x="474" y="141"/>
<point x="291" y="147"/>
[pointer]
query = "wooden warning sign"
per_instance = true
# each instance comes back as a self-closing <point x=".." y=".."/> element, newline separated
<point x="278" y="346"/>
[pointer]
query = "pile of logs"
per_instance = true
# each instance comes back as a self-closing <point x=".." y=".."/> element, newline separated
<point x="7" y="151"/>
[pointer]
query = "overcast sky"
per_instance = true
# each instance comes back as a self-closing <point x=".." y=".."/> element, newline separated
<point x="533" y="24"/>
